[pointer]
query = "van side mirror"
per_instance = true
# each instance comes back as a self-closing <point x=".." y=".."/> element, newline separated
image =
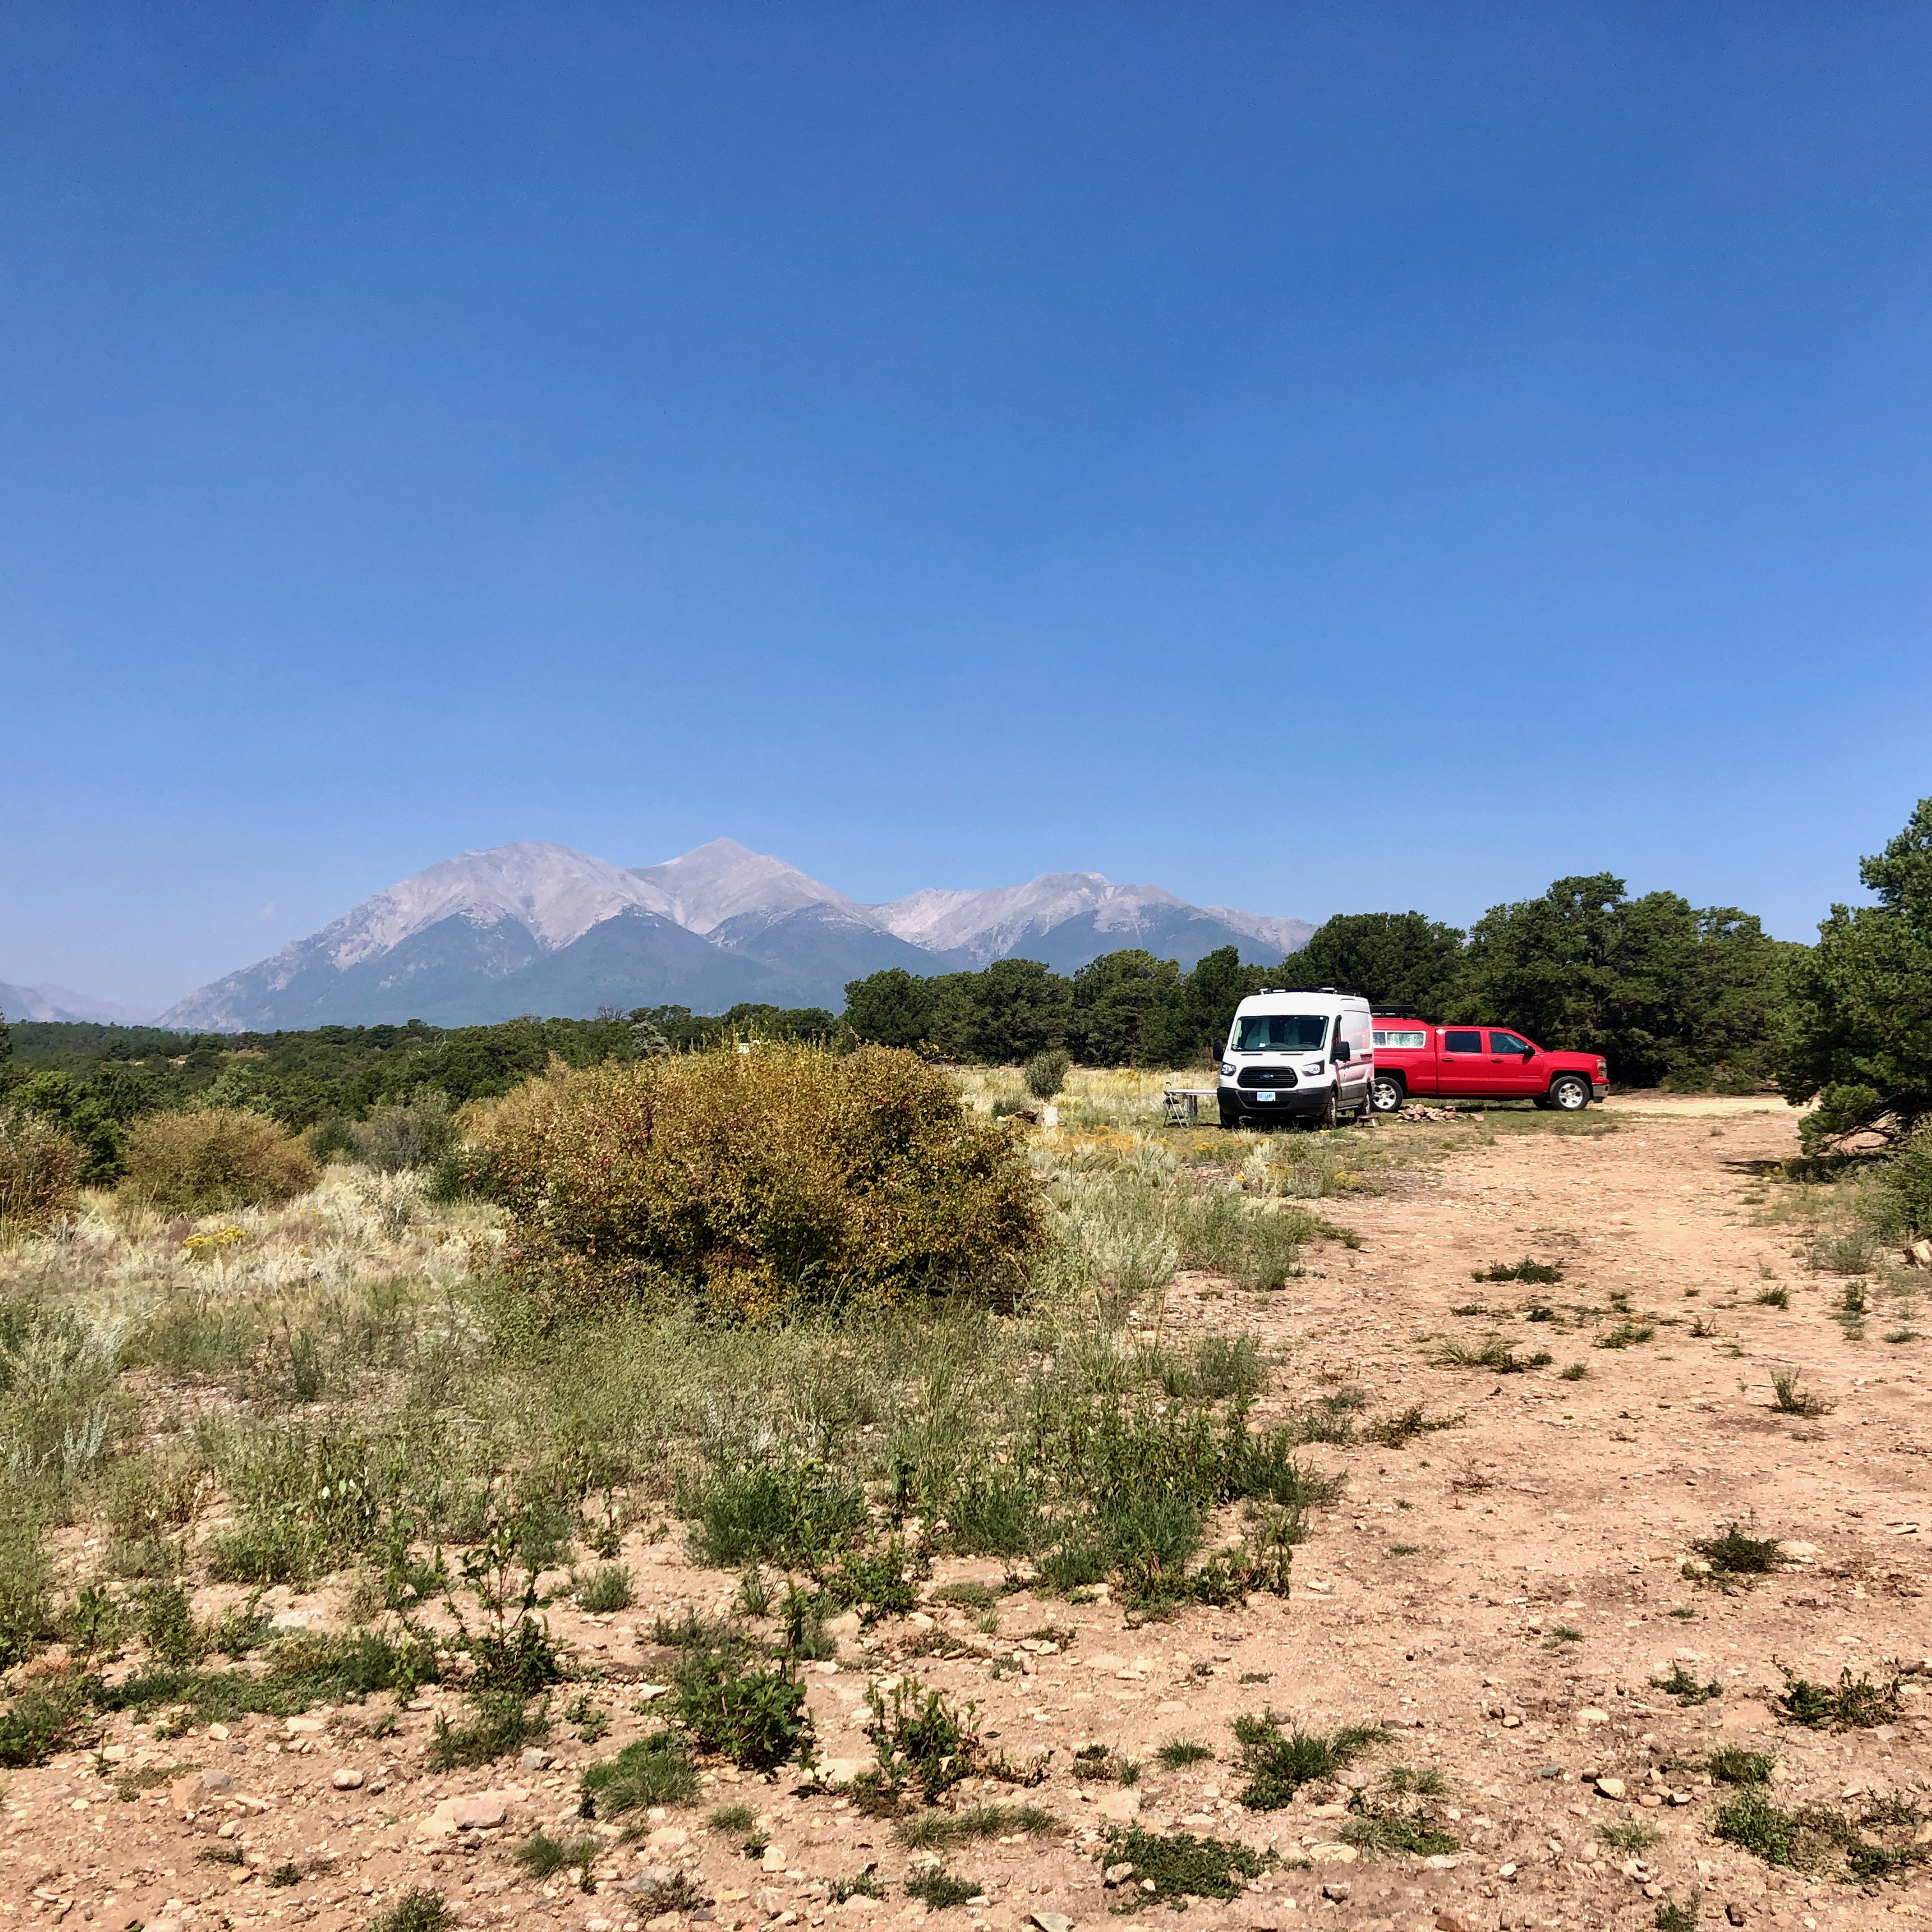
<point x="1341" y="1052"/>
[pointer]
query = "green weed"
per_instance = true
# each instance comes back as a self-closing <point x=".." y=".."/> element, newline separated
<point x="653" y="1770"/>
<point x="1173" y="1865"/>
<point x="1278" y="1763"/>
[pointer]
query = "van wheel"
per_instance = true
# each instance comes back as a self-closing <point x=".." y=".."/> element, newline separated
<point x="1568" y="1094"/>
<point x="1231" y="1117"/>
<point x="1325" y="1119"/>
<point x="1387" y="1095"/>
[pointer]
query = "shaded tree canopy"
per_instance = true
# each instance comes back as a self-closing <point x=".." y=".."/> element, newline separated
<point x="1856" y="1030"/>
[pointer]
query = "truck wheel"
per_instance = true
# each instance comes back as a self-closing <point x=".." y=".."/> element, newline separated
<point x="1387" y="1094"/>
<point x="1568" y="1094"/>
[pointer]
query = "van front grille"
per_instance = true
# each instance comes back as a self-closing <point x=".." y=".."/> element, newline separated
<point x="1267" y="1076"/>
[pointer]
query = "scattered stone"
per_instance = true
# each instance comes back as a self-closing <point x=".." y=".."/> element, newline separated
<point x="1118" y="1874"/>
<point x="649" y="1878"/>
<point x="1052" y="1922"/>
<point x="212" y="1781"/>
<point x="1611" y="1787"/>
<point x="1337" y="1890"/>
<point x="534" y="1759"/>
<point x="1734" y="1914"/>
<point x="1118" y="1806"/>
<point x="302" y="1727"/>
<point x="347" y="1779"/>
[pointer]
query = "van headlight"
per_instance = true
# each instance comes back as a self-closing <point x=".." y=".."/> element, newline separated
<point x="1227" y="1066"/>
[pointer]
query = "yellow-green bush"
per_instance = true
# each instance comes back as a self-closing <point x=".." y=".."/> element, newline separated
<point x="759" y="1182"/>
<point x="39" y="1173"/>
<point x="221" y="1157"/>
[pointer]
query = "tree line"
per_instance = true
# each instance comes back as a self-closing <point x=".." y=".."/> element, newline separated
<point x="1671" y="995"/>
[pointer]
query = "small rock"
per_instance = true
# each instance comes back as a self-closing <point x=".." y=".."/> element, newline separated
<point x="299" y="1727"/>
<point x="1590" y="1715"/>
<point x="219" y="1733"/>
<point x="217" y="1780"/>
<point x="919" y="1621"/>
<point x="1118" y="1874"/>
<point x="845" y="1627"/>
<point x="482" y="1813"/>
<point x="1611" y="1787"/>
<point x="1336" y="1854"/>
<point x="1441" y="1861"/>
<point x="1052" y="1922"/>
<point x="534" y="1759"/>
<point x="347" y="1779"/>
<point x="1448" y="1921"/>
<point x="1353" y="1780"/>
<point x="1337" y="1889"/>
<point x="1733" y="1914"/>
<point x="114" y="1754"/>
<point x="1119" y="1806"/>
<point x="669" y="1838"/>
<point x="649" y="1879"/>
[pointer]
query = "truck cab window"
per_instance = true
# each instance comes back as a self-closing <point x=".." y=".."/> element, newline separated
<point x="1454" y="1040"/>
<point x="1507" y="1042"/>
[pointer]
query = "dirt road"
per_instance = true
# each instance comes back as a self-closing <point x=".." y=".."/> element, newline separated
<point x="1501" y="1592"/>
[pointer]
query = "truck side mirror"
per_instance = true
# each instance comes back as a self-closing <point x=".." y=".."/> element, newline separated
<point x="1529" y="1053"/>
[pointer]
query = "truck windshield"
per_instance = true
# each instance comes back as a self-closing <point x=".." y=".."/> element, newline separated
<point x="1282" y="1033"/>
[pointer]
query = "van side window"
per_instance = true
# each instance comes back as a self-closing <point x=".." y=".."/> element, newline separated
<point x="1454" y="1040"/>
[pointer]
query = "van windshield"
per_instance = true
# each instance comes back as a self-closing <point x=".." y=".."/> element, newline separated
<point x="1282" y="1033"/>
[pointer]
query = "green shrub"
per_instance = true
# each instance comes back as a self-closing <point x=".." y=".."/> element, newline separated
<point x="1176" y="1865"/>
<point x="1903" y="1189"/>
<point x="757" y="1718"/>
<point x="542" y="1856"/>
<point x="417" y="1912"/>
<point x="1279" y="1763"/>
<point x="57" y="1369"/>
<point x="221" y="1158"/>
<point x="786" y="1177"/>
<point x="501" y="1723"/>
<point x="37" y="1723"/>
<point x="791" y="1513"/>
<point x="417" y="1134"/>
<point x="940" y="1891"/>
<point x="40" y="1174"/>
<point x="655" y="1770"/>
<point x="604" y="1591"/>
<point x="919" y="1737"/>
<point x="1046" y="1072"/>
<point x="168" y="1626"/>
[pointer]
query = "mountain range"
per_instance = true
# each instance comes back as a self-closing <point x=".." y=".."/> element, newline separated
<point x="63" y="1003"/>
<point x="536" y="928"/>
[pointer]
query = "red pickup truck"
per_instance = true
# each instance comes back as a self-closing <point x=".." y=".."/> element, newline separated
<point x="1487" y="1062"/>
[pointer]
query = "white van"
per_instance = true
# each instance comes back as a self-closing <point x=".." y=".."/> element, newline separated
<point x="1297" y="1053"/>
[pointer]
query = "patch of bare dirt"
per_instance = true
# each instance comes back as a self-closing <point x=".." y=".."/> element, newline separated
<point x="1499" y="1593"/>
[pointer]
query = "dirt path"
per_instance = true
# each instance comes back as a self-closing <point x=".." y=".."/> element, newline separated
<point x="1439" y="1598"/>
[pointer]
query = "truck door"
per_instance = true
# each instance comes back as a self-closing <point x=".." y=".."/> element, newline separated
<point x="1464" y="1065"/>
<point x="1513" y="1064"/>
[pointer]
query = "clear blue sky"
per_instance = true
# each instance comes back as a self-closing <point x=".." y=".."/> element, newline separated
<point x="1322" y="458"/>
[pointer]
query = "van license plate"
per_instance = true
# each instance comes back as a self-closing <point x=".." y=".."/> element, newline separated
<point x="1264" y="1096"/>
